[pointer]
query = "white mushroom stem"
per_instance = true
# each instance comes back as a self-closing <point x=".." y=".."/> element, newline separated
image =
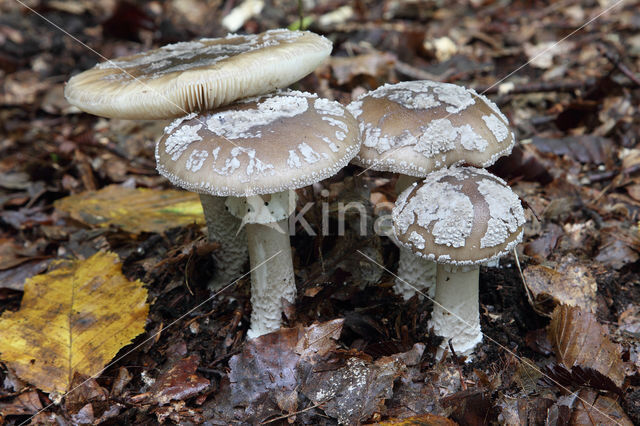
<point x="223" y="227"/>
<point x="456" y="314"/>
<point x="415" y="275"/>
<point x="414" y="272"/>
<point x="272" y="277"/>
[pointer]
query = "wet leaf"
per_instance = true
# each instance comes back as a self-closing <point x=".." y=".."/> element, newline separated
<point x="262" y="381"/>
<point x="353" y="392"/>
<point x="578" y="340"/>
<point x="134" y="210"/>
<point x="570" y="284"/>
<point x="73" y="319"/>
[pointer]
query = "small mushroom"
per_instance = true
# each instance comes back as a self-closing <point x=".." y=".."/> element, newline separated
<point x="189" y="77"/>
<point x="414" y="128"/>
<point x="460" y="218"/>
<point x="258" y="150"/>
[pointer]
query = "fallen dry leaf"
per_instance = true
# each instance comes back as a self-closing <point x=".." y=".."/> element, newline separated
<point x="134" y="210"/>
<point x="73" y="319"/>
<point x="579" y="341"/>
<point x="570" y="284"/>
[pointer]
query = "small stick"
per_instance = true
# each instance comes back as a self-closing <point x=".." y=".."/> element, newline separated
<point x="615" y="60"/>
<point x="463" y="385"/>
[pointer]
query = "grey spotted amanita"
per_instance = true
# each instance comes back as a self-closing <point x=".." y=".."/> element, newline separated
<point x="195" y="76"/>
<point x="458" y="217"/>
<point x="255" y="152"/>
<point x="414" y="128"/>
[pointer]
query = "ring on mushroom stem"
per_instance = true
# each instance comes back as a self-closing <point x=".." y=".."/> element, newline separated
<point x="256" y="152"/>
<point x="415" y="128"/>
<point x="460" y="218"/>
<point x="195" y="76"/>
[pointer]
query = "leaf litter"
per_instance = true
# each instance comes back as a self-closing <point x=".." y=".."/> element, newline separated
<point x="577" y="167"/>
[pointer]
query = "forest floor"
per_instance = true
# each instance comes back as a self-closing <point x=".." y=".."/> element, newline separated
<point x="561" y="321"/>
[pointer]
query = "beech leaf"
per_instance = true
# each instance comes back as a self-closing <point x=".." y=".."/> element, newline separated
<point x="134" y="210"/>
<point x="579" y="341"/>
<point x="73" y="319"/>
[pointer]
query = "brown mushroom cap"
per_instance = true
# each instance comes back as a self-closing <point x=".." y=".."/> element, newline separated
<point x="259" y="146"/>
<point x="180" y="78"/>
<point x="417" y="127"/>
<point x="461" y="215"/>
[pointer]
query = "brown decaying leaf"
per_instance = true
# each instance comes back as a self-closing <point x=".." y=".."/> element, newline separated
<point x="134" y="210"/>
<point x="587" y="408"/>
<point x="571" y="284"/>
<point x="180" y="382"/>
<point x="262" y="379"/>
<point x="373" y="65"/>
<point x="585" y="148"/>
<point x="578" y="340"/>
<point x="73" y="319"/>
<point x="353" y="392"/>
<point x="423" y="420"/>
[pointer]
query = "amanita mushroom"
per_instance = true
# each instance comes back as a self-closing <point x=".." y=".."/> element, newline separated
<point x="260" y="149"/>
<point x="414" y="128"/>
<point x="460" y="218"/>
<point x="196" y="76"/>
<point x="190" y="77"/>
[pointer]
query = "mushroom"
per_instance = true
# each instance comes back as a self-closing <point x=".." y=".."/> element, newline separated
<point x="414" y="128"/>
<point x="196" y="76"/>
<point x="258" y="150"/>
<point x="460" y="218"/>
<point x="190" y="77"/>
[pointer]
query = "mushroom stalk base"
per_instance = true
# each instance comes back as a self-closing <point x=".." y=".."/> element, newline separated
<point x="223" y="227"/>
<point x="272" y="277"/>
<point x="415" y="275"/>
<point x="456" y="315"/>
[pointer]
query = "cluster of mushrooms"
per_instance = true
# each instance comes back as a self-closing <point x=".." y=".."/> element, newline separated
<point x="245" y="144"/>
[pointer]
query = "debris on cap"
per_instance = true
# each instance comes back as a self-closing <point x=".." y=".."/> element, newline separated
<point x="460" y="216"/>
<point x="258" y="146"/>
<point x="417" y="127"/>
<point x="199" y="75"/>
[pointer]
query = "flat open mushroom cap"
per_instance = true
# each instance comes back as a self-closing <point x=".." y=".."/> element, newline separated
<point x="417" y="127"/>
<point x="180" y="78"/>
<point x="460" y="216"/>
<point x="259" y="146"/>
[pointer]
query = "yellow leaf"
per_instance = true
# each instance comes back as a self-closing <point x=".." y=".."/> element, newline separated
<point x="72" y="319"/>
<point x="134" y="210"/>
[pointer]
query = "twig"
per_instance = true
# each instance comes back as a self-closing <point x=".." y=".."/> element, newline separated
<point x="615" y="60"/>
<point x="463" y="385"/>
<point x="418" y="74"/>
<point x="297" y="412"/>
<point x="551" y="86"/>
